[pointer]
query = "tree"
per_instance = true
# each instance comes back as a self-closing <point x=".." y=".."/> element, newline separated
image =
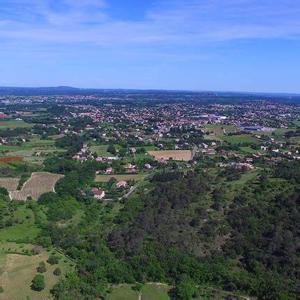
<point x="185" y="289"/>
<point x="111" y="149"/>
<point x="42" y="267"/>
<point x="38" y="282"/>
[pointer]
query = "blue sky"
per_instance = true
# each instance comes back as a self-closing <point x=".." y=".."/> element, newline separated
<point x="238" y="45"/>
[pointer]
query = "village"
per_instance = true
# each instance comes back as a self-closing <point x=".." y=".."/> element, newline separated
<point x="131" y="141"/>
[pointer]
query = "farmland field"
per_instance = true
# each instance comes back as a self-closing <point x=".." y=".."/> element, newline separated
<point x="38" y="184"/>
<point x="8" y="159"/>
<point x="179" y="155"/>
<point x="34" y="150"/>
<point x="12" y="124"/>
<point x="10" y="184"/>
<point x="126" y="177"/>
<point x="17" y="271"/>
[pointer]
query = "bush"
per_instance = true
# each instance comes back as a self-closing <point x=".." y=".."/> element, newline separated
<point x="53" y="259"/>
<point x="1" y="289"/>
<point x="57" y="272"/>
<point x="38" y="283"/>
<point x="185" y="289"/>
<point x="42" y="267"/>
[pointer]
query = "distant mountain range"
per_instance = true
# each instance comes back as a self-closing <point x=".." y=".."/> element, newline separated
<point x="67" y="90"/>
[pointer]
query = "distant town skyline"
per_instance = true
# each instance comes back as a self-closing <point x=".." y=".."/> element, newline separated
<point x="197" y="45"/>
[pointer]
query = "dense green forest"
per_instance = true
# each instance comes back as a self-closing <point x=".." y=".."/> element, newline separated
<point x="186" y="229"/>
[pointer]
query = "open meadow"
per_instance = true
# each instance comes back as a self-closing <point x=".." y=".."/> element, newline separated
<point x="17" y="271"/>
<point x="148" y="292"/>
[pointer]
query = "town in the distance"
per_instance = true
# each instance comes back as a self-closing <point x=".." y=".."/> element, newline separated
<point x="152" y="194"/>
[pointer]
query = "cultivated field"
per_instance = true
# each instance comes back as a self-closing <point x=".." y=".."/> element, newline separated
<point x="8" y="159"/>
<point x="10" y="184"/>
<point x="35" y="150"/>
<point x="12" y="124"/>
<point x="179" y="155"/>
<point x="38" y="184"/>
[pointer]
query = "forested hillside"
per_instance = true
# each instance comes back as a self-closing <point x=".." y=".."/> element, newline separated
<point x="187" y="229"/>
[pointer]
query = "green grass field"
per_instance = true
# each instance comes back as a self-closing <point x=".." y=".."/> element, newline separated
<point x="123" y="292"/>
<point x="216" y="132"/>
<point x="219" y="133"/>
<point x="240" y="139"/>
<point x="155" y="292"/>
<point x="17" y="272"/>
<point x="101" y="150"/>
<point x="23" y="228"/>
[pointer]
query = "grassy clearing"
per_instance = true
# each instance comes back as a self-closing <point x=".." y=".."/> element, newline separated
<point x="247" y="150"/>
<point x="123" y="292"/>
<point x="216" y="132"/>
<point x="23" y="230"/>
<point x="17" y="271"/>
<point x="220" y="133"/>
<point x="126" y="177"/>
<point x="101" y="150"/>
<point x="155" y="292"/>
<point x="148" y="292"/>
<point x="240" y="139"/>
<point x="238" y="184"/>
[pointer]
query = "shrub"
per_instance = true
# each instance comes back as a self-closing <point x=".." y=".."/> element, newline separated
<point x="57" y="272"/>
<point x="53" y="259"/>
<point x="42" y="267"/>
<point x="38" y="283"/>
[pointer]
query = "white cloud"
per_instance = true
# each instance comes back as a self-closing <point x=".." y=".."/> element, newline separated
<point x="177" y="22"/>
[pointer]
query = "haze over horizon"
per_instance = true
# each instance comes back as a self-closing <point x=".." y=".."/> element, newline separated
<point x="233" y="45"/>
